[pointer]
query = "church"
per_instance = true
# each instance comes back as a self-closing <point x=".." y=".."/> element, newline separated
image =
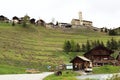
<point x="81" y="22"/>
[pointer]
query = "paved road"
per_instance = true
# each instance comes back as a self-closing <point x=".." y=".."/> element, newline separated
<point x="95" y="76"/>
<point x="25" y="76"/>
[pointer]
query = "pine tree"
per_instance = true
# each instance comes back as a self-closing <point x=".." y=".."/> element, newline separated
<point x="108" y="45"/>
<point x="98" y="43"/>
<point x="77" y="47"/>
<point x="95" y="43"/>
<point x="88" y="46"/>
<point x="73" y="46"/>
<point x="26" y="21"/>
<point x="114" y="44"/>
<point x="102" y="43"/>
<point x="83" y="48"/>
<point x="67" y="46"/>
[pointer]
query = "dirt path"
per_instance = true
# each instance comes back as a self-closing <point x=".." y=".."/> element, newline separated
<point x="25" y="76"/>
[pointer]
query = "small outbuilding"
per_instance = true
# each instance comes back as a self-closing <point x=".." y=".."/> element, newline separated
<point x="81" y="63"/>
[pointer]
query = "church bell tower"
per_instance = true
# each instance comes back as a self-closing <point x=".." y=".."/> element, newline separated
<point x="80" y="18"/>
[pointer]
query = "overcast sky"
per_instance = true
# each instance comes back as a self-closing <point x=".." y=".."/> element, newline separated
<point x="103" y="13"/>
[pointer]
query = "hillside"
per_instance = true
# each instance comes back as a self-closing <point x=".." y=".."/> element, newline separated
<point x="38" y="47"/>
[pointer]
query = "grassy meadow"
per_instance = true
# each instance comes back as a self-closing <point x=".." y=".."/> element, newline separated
<point x="107" y="69"/>
<point x="38" y="47"/>
<point x="66" y="75"/>
<point x="6" y="69"/>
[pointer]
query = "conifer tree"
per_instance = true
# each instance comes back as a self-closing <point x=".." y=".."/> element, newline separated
<point x="88" y="46"/>
<point x="108" y="45"/>
<point x="102" y="43"/>
<point x="98" y="42"/>
<point x="77" y="47"/>
<point x="26" y="21"/>
<point x="114" y="44"/>
<point x="73" y="46"/>
<point x="83" y="48"/>
<point x="67" y="46"/>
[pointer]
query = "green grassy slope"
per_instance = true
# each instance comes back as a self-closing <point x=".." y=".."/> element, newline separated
<point x="6" y="69"/>
<point x="37" y="47"/>
<point x="107" y="69"/>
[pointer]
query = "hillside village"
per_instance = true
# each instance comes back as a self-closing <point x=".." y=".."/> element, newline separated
<point x="75" y="23"/>
<point x="48" y="48"/>
<point x="60" y="40"/>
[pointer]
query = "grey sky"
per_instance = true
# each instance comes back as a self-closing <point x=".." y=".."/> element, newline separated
<point x="101" y="12"/>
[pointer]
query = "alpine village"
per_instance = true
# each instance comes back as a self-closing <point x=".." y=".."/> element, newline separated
<point x="32" y="46"/>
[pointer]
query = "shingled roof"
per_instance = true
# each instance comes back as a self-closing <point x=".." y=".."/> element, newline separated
<point x="100" y="47"/>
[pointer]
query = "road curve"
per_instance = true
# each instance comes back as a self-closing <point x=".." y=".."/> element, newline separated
<point x="40" y="76"/>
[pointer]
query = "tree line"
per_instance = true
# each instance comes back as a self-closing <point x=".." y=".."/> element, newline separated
<point x="111" y="32"/>
<point x="72" y="46"/>
<point x="114" y="32"/>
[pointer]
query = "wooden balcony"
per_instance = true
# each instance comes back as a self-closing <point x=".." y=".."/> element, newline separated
<point x="104" y="62"/>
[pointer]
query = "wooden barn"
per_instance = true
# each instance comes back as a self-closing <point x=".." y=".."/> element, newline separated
<point x="80" y="63"/>
<point x="100" y="56"/>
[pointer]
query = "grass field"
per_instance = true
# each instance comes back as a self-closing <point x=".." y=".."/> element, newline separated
<point x="107" y="69"/>
<point x="38" y="47"/>
<point x="6" y="69"/>
<point x="66" y="75"/>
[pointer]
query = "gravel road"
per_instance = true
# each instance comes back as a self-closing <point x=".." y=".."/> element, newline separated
<point x="25" y="76"/>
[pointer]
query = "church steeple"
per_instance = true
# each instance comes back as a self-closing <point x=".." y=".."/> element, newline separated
<point x="80" y="18"/>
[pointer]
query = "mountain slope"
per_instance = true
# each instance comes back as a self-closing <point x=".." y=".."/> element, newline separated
<point x="38" y="47"/>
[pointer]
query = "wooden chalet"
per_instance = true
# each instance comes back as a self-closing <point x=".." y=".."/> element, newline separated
<point x="80" y="63"/>
<point x="40" y="22"/>
<point x="100" y="56"/>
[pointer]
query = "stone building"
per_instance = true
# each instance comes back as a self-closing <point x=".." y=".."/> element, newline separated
<point x="81" y="22"/>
